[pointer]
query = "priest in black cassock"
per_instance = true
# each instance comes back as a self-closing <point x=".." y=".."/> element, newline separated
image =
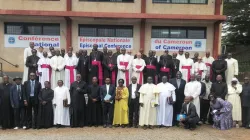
<point x="95" y="64"/>
<point x="109" y="66"/>
<point x="94" y="115"/>
<point x="166" y="53"/>
<point x="45" y="110"/>
<point x="83" y="66"/>
<point x="176" y="63"/>
<point x="31" y="62"/>
<point x="118" y="52"/>
<point x="151" y="67"/>
<point x="105" y="51"/>
<point x="143" y="56"/>
<point x="219" y="67"/>
<point x="165" y="68"/>
<point x="6" y="111"/>
<point x="78" y="103"/>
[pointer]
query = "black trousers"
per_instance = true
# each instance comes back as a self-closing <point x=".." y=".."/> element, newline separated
<point x="134" y="111"/>
<point x="245" y="116"/>
<point x="32" y="111"/>
<point x="108" y="113"/>
<point x="190" y="123"/>
<point x="19" y="117"/>
<point x="205" y="104"/>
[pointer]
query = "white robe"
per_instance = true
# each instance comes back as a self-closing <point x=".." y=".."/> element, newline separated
<point x="45" y="71"/>
<point x="233" y="97"/>
<point x="180" y="57"/>
<point x="193" y="89"/>
<point x="138" y="62"/>
<point x="186" y="62"/>
<point x="200" y="66"/>
<point x="69" y="61"/>
<point x="121" y="75"/>
<point x="165" y="110"/>
<point x="73" y="55"/>
<point x="57" y="62"/>
<point x="40" y="54"/>
<point x="208" y="62"/>
<point x="131" y="68"/>
<point x="232" y="69"/>
<point x="27" y="52"/>
<point x="61" y="113"/>
<point x="149" y="96"/>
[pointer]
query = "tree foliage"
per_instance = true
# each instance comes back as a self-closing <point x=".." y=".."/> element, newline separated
<point x="237" y="27"/>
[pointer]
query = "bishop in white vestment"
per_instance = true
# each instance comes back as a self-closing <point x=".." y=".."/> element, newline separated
<point x="180" y="55"/>
<point x="208" y="60"/>
<point x="44" y="69"/>
<point x="200" y="68"/>
<point x="186" y="67"/>
<point x="193" y="90"/>
<point x="232" y="68"/>
<point x="165" y="108"/>
<point x="70" y="71"/>
<point x="27" y="52"/>
<point x="57" y="64"/>
<point x="61" y="113"/>
<point x="138" y="65"/>
<point x="123" y="64"/>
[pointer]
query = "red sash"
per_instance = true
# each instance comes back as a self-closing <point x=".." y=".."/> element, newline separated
<point x="153" y="68"/>
<point x="210" y="67"/>
<point x="126" y="73"/>
<point x="189" y="71"/>
<point x="200" y="72"/>
<point x="141" y="74"/>
<point x="100" y="76"/>
<point x="165" y="69"/>
<point x="112" y="74"/>
<point x="71" y="73"/>
<point x="47" y="67"/>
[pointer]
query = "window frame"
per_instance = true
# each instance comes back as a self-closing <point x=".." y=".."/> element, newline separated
<point x="97" y="26"/>
<point x="189" y="2"/>
<point x="180" y="27"/>
<point x="34" y="24"/>
<point x="107" y="1"/>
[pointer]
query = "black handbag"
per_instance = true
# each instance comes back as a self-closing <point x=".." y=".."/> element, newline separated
<point x="170" y="100"/>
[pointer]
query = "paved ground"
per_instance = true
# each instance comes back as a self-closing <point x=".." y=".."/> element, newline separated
<point x="202" y="133"/>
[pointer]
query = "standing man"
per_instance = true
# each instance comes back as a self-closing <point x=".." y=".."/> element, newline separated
<point x="219" y="67"/>
<point x="200" y="68"/>
<point x="94" y="104"/>
<point x="31" y="62"/>
<point x="166" y="53"/>
<point x="219" y="88"/>
<point x="95" y="64"/>
<point x="208" y="60"/>
<point x="105" y="51"/>
<point x="149" y="100"/>
<point x="180" y="55"/>
<point x="109" y="63"/>
<point x="5" y="107"/>
<point x="143" y="56"/>
<point x="107" y="93"/>
<point x="61" y="104"/>
<point x="70" y="50"/>
<point x="129" y="52"/>
<point x="176" y="63"/>
<point x="62" y="52"/>
<point x="157" y="57"/>
<point x="40" y="52"/>
<point x="50" y="53"/>
<point x="151" y="67"/>
<point x="186" y="67"/>
<point x="133" y="103"/>
<point x="245" y="98"/>
<point x="16" y="99"/>
<point x="232" y="68"/>
<point x="27" y="52"/>
<point x="70" y="69"/>
<point x="118" y="52"/>
<point x="123" y="64"/>
<point x="179" y="85"/>
<point x="78" y="104"/>
<point x="196" y="57"/>
<point x="192" y="90"/>
<point x="165" y="67"/>
<point x="166" y="101"/>
<point x="138" y="65"/>
<point x="44" y="69"/>
<point x="57" y="64"/>
<point x="53" y="53"/>
<point x="32" y="89"/>
<point x="83" y="67"/>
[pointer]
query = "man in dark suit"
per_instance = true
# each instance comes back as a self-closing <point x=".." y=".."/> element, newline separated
<point x="31" y="62"/>
<point x="133" y="103"/>
<point x="107" y="93"/>
<point x="17" y="103"/>
<point x="32" y="89"/>
<point x="176" y="63"/>
<point x="192" y="117"/>
<point x="179" y="84"/>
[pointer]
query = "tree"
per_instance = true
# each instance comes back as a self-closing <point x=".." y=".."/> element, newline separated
<point x="236" y="28"/>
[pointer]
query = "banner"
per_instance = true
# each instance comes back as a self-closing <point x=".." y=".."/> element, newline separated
<point x="109" y="42"/>
<point x="161" y="44"/>
<point x="22" y="41"/>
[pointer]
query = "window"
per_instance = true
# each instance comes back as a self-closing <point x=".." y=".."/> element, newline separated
<point x="31" y="29"/>
<point x="105" y="31"/>
<point x="109" y="0"/>
<point x="182" y="1"/>
<point x="179" y="32"/>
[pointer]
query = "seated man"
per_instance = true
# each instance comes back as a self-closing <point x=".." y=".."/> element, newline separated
<point x="192" y="118"/>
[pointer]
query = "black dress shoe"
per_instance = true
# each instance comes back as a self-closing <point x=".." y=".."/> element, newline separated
<point x="135" y="126"/>
<point x="104" y="126"/>
<point x="145" y="127"/>
<point x="110" y="126"/>
<point x="123" y="126"/>
<point x="96" y="125"/>
<point x="150" y="127"/>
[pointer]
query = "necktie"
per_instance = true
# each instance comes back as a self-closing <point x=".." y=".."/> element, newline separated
<point x="32" y="88"/>
<point x="19" y="91"/>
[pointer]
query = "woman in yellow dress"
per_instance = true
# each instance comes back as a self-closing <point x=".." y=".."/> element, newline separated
<point x="121" y="105"/>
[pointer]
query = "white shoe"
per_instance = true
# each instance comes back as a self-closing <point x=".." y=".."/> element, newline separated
<point x="15" y="128"/>
<point x="237" y="126"/>
<point x="24" y="127"/>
